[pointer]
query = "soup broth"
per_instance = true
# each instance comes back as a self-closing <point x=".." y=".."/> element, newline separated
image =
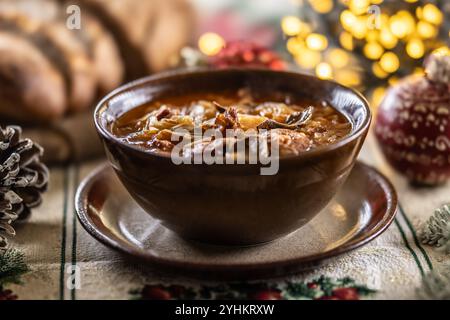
<point x="297" y="125"/>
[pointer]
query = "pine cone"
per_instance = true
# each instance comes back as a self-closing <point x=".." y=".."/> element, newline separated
<point x="436" y="231"/>
<point x="22" y="179"/>
<point x="437" y="66"/>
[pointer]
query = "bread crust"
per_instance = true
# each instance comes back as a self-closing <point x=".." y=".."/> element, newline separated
<point x="171" y="30"/>
<point x="75" y="64"/>
<point x="64" y="50"/>
<point x="115" y="16"/>
<point x="68" y="69"/>
<point x="31" y="88"/>
<point x="159" y="29"/>
<point x="104" y="53"/>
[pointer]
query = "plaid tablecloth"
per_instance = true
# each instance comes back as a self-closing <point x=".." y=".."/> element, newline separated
<point x="55" y="246"/>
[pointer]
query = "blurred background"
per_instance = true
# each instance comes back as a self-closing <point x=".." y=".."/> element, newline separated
<point x="58" y="58"/>
<point x="365" y="44"/>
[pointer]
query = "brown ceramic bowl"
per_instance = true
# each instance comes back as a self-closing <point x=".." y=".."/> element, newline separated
<point x="233" y="204"/>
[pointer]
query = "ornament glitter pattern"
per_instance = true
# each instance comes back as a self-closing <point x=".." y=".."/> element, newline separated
<point x="23" y="178"/>
<point x="413" y="125"/>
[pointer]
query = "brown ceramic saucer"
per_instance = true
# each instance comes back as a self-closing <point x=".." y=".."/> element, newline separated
<point x="360" y="212"/>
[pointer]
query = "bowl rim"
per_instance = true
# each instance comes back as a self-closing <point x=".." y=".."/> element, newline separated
<point x="106" y="134"/>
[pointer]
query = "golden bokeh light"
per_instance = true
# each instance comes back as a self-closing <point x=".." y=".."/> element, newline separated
<point x="359" y="6"/>
<point x="210" y="43"/>
<point x="378" y="71"/>
<point x="398" y="27"/>
<point x="322" y="6"/>
<point x="324" y="71"/>
<point x="419" y="12"/>
<point x="384" y="21"/>
<point x="407" y="16"/>
<point x="308" y="59"/>
<point x="400" y="33"/>
<point x="359" y="29"/>
<point x="348" y="19"/>
<point x="402" y="24"/>
<point x="432" y="14"/>
<point x="305" y="30"/>
<point x="372" y="35"/>
<point x="294" y="45"/>
<point x="338" y="58"/>
<point x="291" y="25"/>
<point x="316" y="41"/>
<point x="387" y="39"/>
<point x="415" y="48"/>
<point x="426" y="30"/>
<point x="377" y="96"/>
<point x="389" y="62"/>
<point x="348" y="77"/>
<point x="393" y="80"/>
<point x="346" y="40"/>
<point x="419" y="71"/>
<point x="373" y="50"/>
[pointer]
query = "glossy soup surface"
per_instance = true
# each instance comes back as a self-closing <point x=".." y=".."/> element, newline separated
<point x="297" y="125"/>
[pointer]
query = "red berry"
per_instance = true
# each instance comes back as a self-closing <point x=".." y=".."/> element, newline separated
<point x="247" y="54"/>
<point x="7" y="295"/>
<point x="155" y="293"/>
<point x="346" y="294"/>
<point x="312" y="285"/>
<point x="268" y="295"/>
<point x="277" y="65"/>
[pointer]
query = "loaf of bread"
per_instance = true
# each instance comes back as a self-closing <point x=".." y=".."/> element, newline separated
<point x="48" y="70"/>
<point x="31" y="87"/>
<point x="159" y="29"/>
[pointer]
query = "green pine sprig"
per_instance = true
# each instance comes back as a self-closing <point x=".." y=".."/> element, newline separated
<point x="436" y="231"/>
<point x="436" y="285"/>
<point x="12" y="267"/>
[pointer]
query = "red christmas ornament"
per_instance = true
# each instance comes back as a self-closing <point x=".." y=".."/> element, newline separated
<point x="267" y="295"/>
<point x="413" y="124"/>
<point x="247" y="54"/>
